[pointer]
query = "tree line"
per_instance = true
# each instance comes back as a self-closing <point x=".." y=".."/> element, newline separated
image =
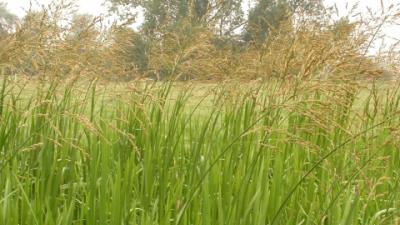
<point x="190" y="39"/>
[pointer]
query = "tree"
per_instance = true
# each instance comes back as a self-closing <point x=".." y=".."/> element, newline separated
<point x="310" y="7"/>
<point x="268" y="15"/>
<point x="133" y="47"/>
<point x="7" y="19"/>
<point x="222" y="15"/>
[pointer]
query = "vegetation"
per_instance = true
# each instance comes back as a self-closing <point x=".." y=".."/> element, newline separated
<point x="278" y="153"/>
<point x="279" y="39"/>
<point x="282" y="117"/>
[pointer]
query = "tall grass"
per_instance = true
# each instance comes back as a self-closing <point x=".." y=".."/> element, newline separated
<point x="309" y="145"/>
<point x="276" y="153"/>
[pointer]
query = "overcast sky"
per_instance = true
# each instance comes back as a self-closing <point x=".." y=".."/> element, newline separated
<point x="85" y="6"/>
<point x="95" y="7"/>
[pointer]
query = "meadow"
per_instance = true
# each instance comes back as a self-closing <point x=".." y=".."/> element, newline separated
<point x="277" y="152"/>
<point x="203" y="115"/>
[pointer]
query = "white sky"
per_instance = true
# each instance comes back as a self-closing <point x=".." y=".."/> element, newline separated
<point x="95" y="7"/>
<point x="85" y="6"/>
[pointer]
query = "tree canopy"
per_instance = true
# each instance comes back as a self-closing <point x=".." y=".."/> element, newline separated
<point x="268" y="15"/>
<point x="222" y="15"/>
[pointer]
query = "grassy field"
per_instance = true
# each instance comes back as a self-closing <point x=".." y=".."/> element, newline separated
<point x="277" y="153"/>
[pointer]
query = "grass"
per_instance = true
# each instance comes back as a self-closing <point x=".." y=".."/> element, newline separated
<point x="270" y="153"/>
<point x="297" y="139"/>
